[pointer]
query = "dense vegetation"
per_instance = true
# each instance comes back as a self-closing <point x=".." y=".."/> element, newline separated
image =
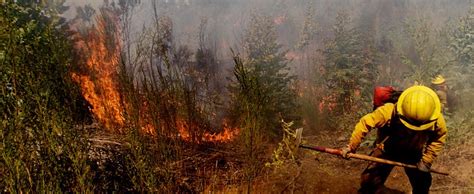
<point x="291" y="69"/>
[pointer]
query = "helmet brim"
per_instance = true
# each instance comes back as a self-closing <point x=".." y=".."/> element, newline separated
<point x="437" y="82"/>
<point x="417" y="128"/>
<point x="434" y="117"/>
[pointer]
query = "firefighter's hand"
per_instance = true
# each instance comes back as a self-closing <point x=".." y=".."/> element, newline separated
<point x="422" y="166"/>
<point x="345" y="152"/>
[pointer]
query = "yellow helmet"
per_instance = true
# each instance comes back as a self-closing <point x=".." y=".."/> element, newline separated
<point x="418" y="107"/>
<point x="439" y="79"/>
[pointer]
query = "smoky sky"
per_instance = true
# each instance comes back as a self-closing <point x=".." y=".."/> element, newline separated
<point x="228" y="19"/>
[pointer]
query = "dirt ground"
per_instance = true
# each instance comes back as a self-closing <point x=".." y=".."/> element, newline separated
<point x="325" y="173"/>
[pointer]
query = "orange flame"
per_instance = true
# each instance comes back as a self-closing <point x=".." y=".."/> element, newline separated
<point x="98" y="87"/>
<point x="227" y="135"/>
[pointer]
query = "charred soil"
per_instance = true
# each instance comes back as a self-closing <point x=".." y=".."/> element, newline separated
<point x="325" y="173"/>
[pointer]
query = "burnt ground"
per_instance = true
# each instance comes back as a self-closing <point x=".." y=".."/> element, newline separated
<point x="325" y="173"/>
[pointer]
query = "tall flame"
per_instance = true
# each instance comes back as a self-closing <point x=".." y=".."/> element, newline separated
<point x="98" y="84"/>
<point x="100" y="89"/>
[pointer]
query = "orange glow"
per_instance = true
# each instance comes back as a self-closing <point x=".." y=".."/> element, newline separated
<point x="290" y="55"/>
<point x="98" y="85"/>
<point x="279" y="20"/>
<point x="183" y="130"/>
<point x="328" y="102"/>
<point x="227" y="135"/>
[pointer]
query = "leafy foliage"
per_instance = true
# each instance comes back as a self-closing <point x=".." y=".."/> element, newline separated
<point x="286" y="152"/>
<point x="462" y="40"/>
<point x="426" y="60"/>
<point x="461" y="45"/>
<point x="40" y="148"/>
<point x="250" y="99"/>
<point x="460" y="74"/>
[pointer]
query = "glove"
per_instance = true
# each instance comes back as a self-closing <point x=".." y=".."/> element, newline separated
<point x="345" y="152"/>
<point x="422" y="166"/>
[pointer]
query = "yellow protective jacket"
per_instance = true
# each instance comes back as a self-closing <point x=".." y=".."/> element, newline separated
<point x="402" y="142"/>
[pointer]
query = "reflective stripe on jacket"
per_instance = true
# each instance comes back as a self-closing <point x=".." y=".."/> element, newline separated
<point x="401" y="141"/>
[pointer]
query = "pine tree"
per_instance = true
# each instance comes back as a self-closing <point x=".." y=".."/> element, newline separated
<point x="267" y="61"/>
<point x="310" y="28"/>
<point x="347" y="69"/>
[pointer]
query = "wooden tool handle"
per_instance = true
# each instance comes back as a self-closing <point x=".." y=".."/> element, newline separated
<point x="366" y="157"/>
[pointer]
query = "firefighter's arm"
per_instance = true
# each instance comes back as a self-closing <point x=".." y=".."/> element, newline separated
<point x="436" y="142"/>
<point x="376" y="119"/>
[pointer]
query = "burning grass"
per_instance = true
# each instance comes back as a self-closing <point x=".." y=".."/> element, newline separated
<point x="162" y="140"/>
<point x="98" y="82"/>
<point x="101" y="88"/>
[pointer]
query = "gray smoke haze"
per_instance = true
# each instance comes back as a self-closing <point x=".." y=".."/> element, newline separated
<point x="227" y="19"/>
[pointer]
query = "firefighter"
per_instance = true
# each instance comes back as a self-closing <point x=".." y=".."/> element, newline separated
<point x="441" y="89"/>
<point x="416" y="132"/>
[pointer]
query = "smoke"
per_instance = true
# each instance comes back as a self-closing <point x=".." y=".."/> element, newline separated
<point x="227" y="19"/>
